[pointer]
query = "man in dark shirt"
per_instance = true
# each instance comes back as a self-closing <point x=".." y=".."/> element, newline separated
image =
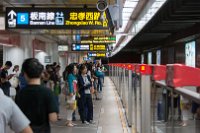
<point x="36" y="101"/>
<point x="5" y="84"/>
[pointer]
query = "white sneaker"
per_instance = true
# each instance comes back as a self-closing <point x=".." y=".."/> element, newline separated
<point x="87" y="123"/>
<point x="92" y="122"/>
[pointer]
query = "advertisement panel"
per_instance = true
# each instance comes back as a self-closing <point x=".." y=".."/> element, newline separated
<point x="190" y="54"/>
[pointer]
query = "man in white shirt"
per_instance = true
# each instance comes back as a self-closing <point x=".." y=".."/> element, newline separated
<point x="11" y="115"/>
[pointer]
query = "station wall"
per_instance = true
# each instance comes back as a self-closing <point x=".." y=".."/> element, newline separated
<point x="175" y="53"/>
<point x="17" y="54"/>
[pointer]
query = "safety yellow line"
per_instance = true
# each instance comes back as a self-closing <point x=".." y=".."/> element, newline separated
<point x="121" y="114"/>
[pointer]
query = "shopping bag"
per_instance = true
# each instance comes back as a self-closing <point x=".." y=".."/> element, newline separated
<point x="14" y="81"/>
<point x="57" y="89"/>
<point x="71" y="102"/>
<point x="71" y="106"/>
<point x="75" y="86"/>
<point x="92" y="90"/>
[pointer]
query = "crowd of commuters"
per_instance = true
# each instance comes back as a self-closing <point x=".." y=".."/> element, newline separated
<point x="30" y="96"/>
<point x="38" y="90"/>
<point x="82" y="83"/>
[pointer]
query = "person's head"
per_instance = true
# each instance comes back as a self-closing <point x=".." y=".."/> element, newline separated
<point x="47" y="66"/>
<point x="54" y="64"/>
<point x="83" y="69"/>
<point x="98" y="66"/>
<point x="89" y="67"/>
<point x="57" y="68"/>
<point x="32" y="68"/>
<point x="50" y="69"/>
<point x="3" y="77"/>
<point x="16" y="68"/>
<point x="8" y="65"/>
<point x="72" y="69"/>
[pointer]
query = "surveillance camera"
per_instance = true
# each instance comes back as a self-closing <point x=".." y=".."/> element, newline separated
<point x="102" y="5"/>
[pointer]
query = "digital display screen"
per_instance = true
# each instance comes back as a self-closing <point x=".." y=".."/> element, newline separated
<point x="88" y="47"/>
<point x="98" y="40"/>
<point x="63" y="48"/>
<point x="190" y="54"/>
<point x="158" y="57"/>
<point x="142" y="58"/>
<point x="91" y="54"/>
<point x="149" y="57"/>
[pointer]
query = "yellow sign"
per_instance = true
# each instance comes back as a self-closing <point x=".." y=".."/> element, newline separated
<point x="98" y="40"/>
<point x="85" y="16"/>
<point x="90" y="18"/>
<point x="57" y="18"/>
<point x="91" y="47"/>
<point x="92" y="54"/>
<point x="101" y="54"/>
<point x="99" y="47"/>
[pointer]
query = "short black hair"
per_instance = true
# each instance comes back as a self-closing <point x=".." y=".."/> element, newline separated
<point x="8" y="63"/>
<point x="81" y="68"/>
<point x="47" y="66"/>
<point x="70" y="68"/>
<point x="3" y="75"/>
<point x="58" y="66"/>
<point x="54" y="64"/>
<point x="32" y="67"/>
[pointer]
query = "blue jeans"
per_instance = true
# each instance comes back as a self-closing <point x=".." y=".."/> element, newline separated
<point x="57" y="102"/>
<point x="99" y="85"/>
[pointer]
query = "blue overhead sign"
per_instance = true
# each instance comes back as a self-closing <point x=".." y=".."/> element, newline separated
<point x="97" y="54"/>
<point x="89" y="47"/>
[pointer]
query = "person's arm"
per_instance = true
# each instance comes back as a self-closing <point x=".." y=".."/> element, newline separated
<point x="51" y="84"/>
<point x="53" y="117"/>
<point x="70" y="83"/>
<point x="27" y="130"/>
<point x="89" y="84"/>
<point x="18" y="121"/>
<point x="10" y="76"/>
<point x="51" y="107"/>
<point x="80" y="83"/>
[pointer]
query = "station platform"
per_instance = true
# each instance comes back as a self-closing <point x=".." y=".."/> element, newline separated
<point x="108" y="115"/>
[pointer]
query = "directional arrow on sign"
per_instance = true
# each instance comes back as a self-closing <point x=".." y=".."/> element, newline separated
<point x="12" y="14"/>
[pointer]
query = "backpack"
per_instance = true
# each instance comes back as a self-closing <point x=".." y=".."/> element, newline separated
<point x="57" y="89"/>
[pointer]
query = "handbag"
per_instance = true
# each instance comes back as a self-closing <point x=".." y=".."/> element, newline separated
<point x="71" y="106"/>
<point x="14" y="81"/>
<point x="71" y="103"/>
<point x="92" y="90"/>
<point x="57" y="89"/>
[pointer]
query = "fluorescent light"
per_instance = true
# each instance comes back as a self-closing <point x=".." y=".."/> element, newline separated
<point x="126" y="15"/>
<point x="37" y="50"/>
<point x="129" y="7"/>
<point x="6" y="45"/>
<point x="130" y="3"/>
<point x="2" y="23"/>
<point x="127" y="10"/>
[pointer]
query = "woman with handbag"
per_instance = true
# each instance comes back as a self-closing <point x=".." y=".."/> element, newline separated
<point x="71" y="95"/>
<point x="14" y="81"/>
<point x="85" y="100"/>
<point x="185" y="109"/>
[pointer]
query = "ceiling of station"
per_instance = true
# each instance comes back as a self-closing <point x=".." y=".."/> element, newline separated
<point x="174" y="21"/>
<point x="54" y="2"/>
